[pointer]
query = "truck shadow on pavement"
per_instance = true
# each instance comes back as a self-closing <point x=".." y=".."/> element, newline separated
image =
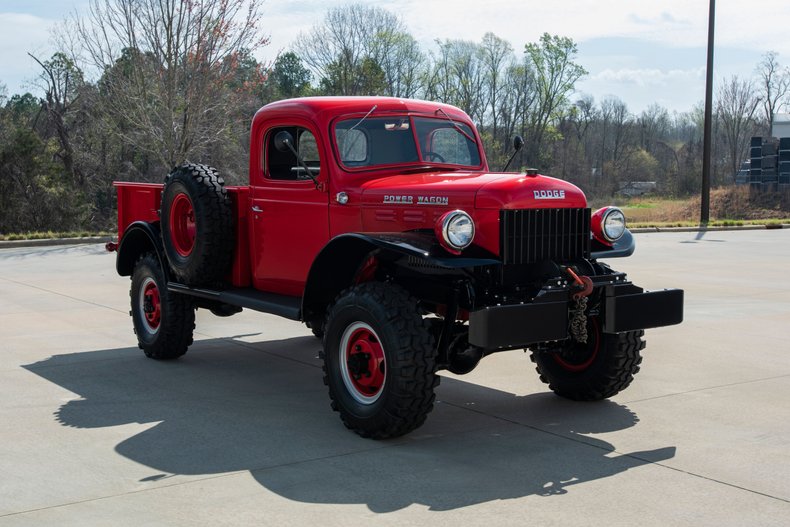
<point x="262" y="407"/>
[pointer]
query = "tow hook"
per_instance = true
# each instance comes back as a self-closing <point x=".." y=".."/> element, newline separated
<point x="578" y="313"/>
<point x="111" y="247"/>
<point x="583" y="283"/>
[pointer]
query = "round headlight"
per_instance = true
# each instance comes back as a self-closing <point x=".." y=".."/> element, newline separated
<point x="613" y="224"/>
<point x="457" y="229"/>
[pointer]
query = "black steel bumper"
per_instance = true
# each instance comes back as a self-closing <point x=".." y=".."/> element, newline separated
<point x="625" y="307"/>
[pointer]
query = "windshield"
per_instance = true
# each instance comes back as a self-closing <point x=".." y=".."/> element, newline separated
<point x="377" y="141"/>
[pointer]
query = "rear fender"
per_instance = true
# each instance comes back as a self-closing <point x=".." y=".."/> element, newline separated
<point x="138" y="238"/>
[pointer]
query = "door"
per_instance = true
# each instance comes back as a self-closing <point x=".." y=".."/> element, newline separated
<point x="290" y="212"/>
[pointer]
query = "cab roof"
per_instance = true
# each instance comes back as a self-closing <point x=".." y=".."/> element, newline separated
<point x="321" y="110"/>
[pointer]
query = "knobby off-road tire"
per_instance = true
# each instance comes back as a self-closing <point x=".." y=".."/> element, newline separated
<point x="603" y="367"/>
<point x="163" y="321"/>
<point x="197" y="224"/>
<point x="379" y="361"/>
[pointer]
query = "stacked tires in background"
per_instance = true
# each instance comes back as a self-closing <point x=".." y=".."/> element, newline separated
<point x="784" y="161"/>
<point x="770" y="163"/>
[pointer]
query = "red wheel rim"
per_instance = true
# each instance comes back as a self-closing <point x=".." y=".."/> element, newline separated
<point x="580" y="356"/>
<point x="182" y="224"/>
<point x="150" y="305"/>
<point x="363" y="364"/>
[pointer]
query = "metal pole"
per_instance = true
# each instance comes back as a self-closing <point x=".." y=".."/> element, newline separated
<point x="706" y="147"/>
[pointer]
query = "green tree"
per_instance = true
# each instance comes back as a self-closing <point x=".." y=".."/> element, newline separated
<point x="289" y="77"/>
<point x="368" y="78"/>
<point x="551" y="61"/>
<point x="33" y="193"/>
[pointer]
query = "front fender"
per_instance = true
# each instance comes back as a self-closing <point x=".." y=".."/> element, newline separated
<point x="623" y="247"/>
<point x="338" y="263"/>
<point x="140" y="237"/>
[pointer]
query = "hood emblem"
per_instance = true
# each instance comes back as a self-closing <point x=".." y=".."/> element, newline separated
<point x="549" y="194"/>
<point x="399" y="199"/>
<point x="433" y="200"/>
<point x="421" y="200"/>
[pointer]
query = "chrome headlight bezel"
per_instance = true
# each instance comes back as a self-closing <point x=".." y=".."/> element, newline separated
<point x="456" y="230"/>
<point x="613" y="224"/>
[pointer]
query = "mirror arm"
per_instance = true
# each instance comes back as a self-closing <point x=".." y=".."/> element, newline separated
<point x="516" y="151"/>
<point x="301" y="162"/>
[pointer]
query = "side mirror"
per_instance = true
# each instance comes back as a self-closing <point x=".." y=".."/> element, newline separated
<point x="518" y="144"/>
<point x="284" y="141"/>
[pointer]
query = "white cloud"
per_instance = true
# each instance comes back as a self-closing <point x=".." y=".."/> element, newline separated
<point x="646" y="77"/>
<point x="663" y="28"/>
<point x="21" y="34"/>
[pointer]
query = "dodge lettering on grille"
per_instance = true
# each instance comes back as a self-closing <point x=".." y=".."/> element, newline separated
<point x="549" y="194"/>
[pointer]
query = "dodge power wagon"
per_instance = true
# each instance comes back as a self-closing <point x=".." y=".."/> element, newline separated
<point x="378" y="223"/>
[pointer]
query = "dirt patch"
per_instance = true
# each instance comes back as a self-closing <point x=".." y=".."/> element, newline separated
<point x="743" y="203"/>
<point x="727" y="203"/>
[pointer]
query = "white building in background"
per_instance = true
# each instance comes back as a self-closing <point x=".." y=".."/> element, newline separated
<point x="781" y="125"/>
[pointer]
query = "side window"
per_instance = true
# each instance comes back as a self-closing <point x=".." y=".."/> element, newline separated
<point x="284" y="165"/>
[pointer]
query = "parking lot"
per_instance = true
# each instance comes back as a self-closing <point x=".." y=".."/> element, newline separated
<point x="239" y="431"/>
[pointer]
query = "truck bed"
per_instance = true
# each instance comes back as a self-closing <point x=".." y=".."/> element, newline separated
<point x="142" y="201"/>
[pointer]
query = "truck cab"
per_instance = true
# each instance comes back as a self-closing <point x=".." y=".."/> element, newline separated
<point x="378" y="222"/>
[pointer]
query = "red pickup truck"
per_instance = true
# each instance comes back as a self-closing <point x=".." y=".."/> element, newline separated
<point x="378" y="223"/>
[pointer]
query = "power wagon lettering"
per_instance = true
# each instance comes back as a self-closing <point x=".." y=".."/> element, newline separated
<point x="399" y="199"/>
<point x="432" y="200"/>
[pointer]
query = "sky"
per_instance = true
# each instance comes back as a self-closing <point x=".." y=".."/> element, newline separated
<point x="641" y="52"/>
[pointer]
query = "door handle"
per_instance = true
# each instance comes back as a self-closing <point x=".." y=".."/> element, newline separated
<point x="256" y="208"/>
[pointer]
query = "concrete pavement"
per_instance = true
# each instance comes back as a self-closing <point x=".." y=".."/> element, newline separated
<point x="239" y="431"/>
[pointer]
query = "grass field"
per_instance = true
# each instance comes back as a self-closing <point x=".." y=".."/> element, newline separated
<point x="729" y="206"/>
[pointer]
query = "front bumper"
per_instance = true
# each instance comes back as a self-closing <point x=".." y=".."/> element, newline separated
<point x="624" y="306"/>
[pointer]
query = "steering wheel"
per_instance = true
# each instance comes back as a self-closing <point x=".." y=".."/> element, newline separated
<point x="429" y="154"/>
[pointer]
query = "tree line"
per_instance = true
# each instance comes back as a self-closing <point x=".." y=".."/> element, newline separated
<point x="139" y="86"/>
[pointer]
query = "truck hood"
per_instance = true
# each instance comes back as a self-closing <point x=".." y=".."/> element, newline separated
<point x="481" y="190"/>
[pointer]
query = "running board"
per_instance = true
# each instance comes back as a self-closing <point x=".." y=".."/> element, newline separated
<point x="280" y="305"/>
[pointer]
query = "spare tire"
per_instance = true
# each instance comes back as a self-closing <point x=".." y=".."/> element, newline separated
<point x="197" y="224"/>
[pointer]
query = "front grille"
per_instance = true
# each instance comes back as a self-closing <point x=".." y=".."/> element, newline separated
<point x="531" y="235"/>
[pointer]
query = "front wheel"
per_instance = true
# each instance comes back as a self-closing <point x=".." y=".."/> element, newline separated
<point x="600" y="368"/>
<point x="163" y="321"/>
<point x="379" y="361"/>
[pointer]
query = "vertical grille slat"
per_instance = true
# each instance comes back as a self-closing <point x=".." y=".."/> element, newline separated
<point x="531" y="235"/>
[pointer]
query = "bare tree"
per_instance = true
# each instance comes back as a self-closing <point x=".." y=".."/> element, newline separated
<point x="617" y="122"/>
<point x="60" y="81"/>
<point x="497" y="54"/>
<point x="654" y="124"/>
<point x="349" y="45"/>
<point x="736" y="104"/>
<point x="518" y="98"/>
<point x="774" y="85"/>
<point x="164" y="66"/>
<point x="401" y="60"/>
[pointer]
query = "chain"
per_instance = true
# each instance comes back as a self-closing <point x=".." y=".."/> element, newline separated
<point x="578" y="324"/>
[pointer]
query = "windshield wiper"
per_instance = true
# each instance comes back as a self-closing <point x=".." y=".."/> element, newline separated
<point x="347" y="150"/>
<point x="457" y="126"/>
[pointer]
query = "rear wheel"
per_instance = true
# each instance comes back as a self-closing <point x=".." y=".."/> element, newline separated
<point x="600" y="368"/>
<point x="163" y="321"/>
<point x="379" y="361"/>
